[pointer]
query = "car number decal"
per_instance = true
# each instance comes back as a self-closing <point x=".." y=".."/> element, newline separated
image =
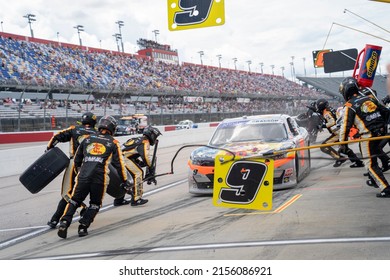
<point x="243" y="183"/>
<point x="190" y="14"/>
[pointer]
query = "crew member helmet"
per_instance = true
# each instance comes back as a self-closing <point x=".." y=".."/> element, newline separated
<point x="348" y="87"/>
<point x="321" y="104"/>
<point x="88" y="118"/>
<point x="151" y="133"/>
<point x="109" y="123"/>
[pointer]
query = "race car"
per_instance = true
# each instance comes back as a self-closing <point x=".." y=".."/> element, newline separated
<point x="254" y="136"/>
<point x="186" y="124"/>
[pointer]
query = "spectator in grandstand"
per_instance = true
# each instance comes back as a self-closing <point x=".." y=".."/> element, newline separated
<point x="370" y="118"/>
<point x="75" y="135"/>
<point x="328" y="114"/>
<point x="91" y="161"/>
<point x="137" y="156"/>
<point x="44" y="64"/>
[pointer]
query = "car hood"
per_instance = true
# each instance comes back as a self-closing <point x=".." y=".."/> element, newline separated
<point x="241" y="149"/>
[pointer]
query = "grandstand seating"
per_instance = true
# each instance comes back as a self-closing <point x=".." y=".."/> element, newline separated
<point x="46" y="64"/>
<point x="51" y="65"/>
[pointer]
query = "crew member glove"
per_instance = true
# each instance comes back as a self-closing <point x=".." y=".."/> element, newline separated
<point x="126" y="185"/>
<point x="150" y="175"/>
<point x="150" y="181"/>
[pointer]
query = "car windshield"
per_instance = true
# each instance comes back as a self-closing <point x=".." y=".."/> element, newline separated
<point x="243" y="132"/>
<point x="124" y="122"/>
<point x="131" y="122"/>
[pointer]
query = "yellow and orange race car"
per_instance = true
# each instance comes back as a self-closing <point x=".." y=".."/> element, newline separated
<point x="253" y="136"/>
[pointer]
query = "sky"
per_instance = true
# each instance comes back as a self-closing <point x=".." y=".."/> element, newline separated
<point x="283" y="33"/>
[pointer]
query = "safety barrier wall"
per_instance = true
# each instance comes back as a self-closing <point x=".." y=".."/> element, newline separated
<point x="38" y="136"/>
<point x="15" y="160"/>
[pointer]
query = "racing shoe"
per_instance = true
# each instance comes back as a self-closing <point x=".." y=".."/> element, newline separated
<point x="83" y="230"/>
<point x="384" y="193"/>
<point x="339" y="162"/>
<point x="120" y="201"/>
<point x="52" y="224"/>
<point x="63" y="229"/>
<point x="357" y="164"/>
<point x="140" y="201"/>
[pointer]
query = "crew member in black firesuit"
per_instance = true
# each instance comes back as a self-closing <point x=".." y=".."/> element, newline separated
<point x="369" y="116"/>
<point x="137" y="155"/>
<point x="383" y="157"/>
<point x="329" y="116"/>
<point x="92" y="161"/>
<point x="74" y="135"/>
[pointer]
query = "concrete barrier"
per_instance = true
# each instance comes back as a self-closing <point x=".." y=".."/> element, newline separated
<point x="16" y="160"/>
<point x="25" y="137"/>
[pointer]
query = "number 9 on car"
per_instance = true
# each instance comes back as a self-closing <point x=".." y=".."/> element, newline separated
<point x="243" y="183"/>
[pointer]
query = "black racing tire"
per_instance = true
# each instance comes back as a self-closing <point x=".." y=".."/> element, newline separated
<point x="44" y="170"/>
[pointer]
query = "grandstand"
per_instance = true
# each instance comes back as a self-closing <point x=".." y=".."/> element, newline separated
<point x="40" y="79"/>
<point x="330" y="86"/>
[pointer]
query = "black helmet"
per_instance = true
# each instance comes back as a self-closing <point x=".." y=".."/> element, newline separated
<point x="321" y="104"/>
<point x="151" y="133"/>
<point x="348" y="87"/>
<point x="88" y="118"/>
<point x="109" y="123"/>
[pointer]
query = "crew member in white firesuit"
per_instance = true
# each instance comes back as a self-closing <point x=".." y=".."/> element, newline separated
<point x="370" y="118"/>
<point x="137" y="155"/>
<point x="92" y="161"/>
<point x="74" y="135"/>
<point x="329" y="115"/>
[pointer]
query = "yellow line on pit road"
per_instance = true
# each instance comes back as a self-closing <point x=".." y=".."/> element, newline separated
<point x="287" y="203"/>
<point x="277" y="210"/>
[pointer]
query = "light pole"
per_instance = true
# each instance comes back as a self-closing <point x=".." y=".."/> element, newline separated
<point x="201" y="53"/>
<point x="249" y="65"/>
<point x="79" y="29"/>
<point x="30" y="18"/>
<point x="120" y="24"/>
<point x="292" y="68"/>
<point x="272" y="68"/>
<point x="117" y="38"/>
<point x="219" y="60"/>
<point x="156" y="32"/>
<point x="235" y="63"/>
<point x="261" y="67"/>
<point x="304" y="67"/>
<point x="2" y="30"/>
<point x="58" y="37"/>
<point x="282" y="71"/>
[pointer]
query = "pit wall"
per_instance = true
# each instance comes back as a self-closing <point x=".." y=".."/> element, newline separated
<point x="14" y="161"/>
